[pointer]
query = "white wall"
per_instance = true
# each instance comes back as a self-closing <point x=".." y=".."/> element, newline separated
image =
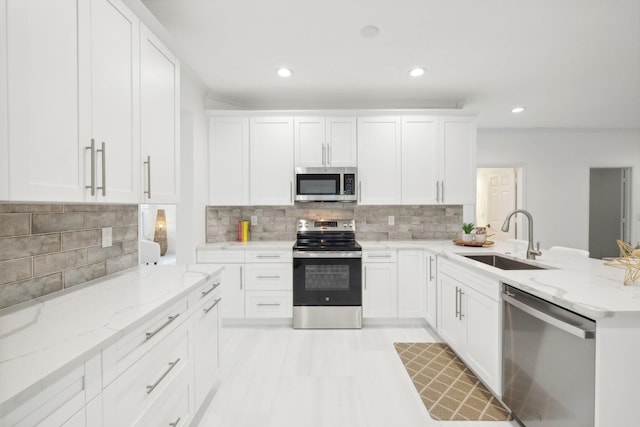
<point x="556" y="166"/>
<point x="193" y="169"/>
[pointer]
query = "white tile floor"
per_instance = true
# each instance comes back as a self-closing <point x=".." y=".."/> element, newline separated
<point x="280" y="377"/>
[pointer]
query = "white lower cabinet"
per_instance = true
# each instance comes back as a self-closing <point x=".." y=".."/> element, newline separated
<point x="469" y="319"/>
<point x="430" y="313"/>
<point x="206" y="326"/>
<point x="411" y="279"/>
<point x="258" y="283"/>
<point x="379" y="284"/>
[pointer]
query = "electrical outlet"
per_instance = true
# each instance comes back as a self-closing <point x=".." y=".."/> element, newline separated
<point x="254" y="220"/>
<point x="107" y="237"/>
<point x="392" y="220"/>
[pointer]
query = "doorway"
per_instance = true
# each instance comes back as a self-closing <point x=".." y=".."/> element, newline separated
<point x="498" y="193"/>
<point x="609" y="210"/>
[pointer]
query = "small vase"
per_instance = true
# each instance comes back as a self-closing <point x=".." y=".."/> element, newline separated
<point x="466" y="237"/>
<point x="481" y="238"/>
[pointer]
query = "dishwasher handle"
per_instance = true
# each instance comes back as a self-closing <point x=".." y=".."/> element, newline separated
<point x="583" y="332"/>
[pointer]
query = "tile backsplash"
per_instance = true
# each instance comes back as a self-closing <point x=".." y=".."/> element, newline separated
<point x="45" y="248"/>
<point x="420" y="222"/>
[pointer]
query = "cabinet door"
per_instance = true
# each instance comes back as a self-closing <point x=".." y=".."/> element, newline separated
<point x="380" y="290"/>
<point x="207" y="347"/>
<point x="450" y="326"/>
<point x="459" y="161"/>
<point x="233" y="291"/>
<point x="228" y="161"/>
<point x="271" y="161"/>
<point x="411" y="279"/>
<point x="483" y="352"/>
<point x="341" y="142"/>
<point x="114" y="99"/>
<point x="431" y="303"/>
<point x="420" y="162"/>
<point x="159" y="120"/>
<point x="379" y="160"/>
<point x="4" y="137"/>
<point x="311" y="142"/>
<point x="46" y="157"/>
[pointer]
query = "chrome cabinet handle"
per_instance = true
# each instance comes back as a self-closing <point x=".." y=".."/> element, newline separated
<point x="267" y="277"/>
<point x="291" y="191"/>
<point x="206" y="310"/>
<point x="457" y="309"/>
<point x="148" y="163"/>
<point x="104" y="171"/>
<point x="264" y="304"/>
<point x="92" y="186"/>
<point x="324" y="150"/>
<point x="437" y="191"/>
<point x="328" y="154"/>
<point x="379" y="255"/>
<point x="360" y="191"/>
<point x="461" y="295"/>
<point x="205" y="293"/>
<point x="172" y="365"/>
<point x="161" y="327"/>
<point x="267" y="256"/>
<point x="430" y="268"/>
<point x="241" y="277"/>
<point x="442" y="191"/>
<point x="175" y="423"/>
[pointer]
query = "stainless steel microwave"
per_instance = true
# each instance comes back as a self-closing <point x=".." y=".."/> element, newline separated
<point x="326" y="184"/>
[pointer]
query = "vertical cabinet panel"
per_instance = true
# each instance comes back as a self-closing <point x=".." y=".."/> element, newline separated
<point x="228" y="161"/>
<point x="420" y="162"/>
<point x="42" y="53"/>
<point x="159" y="120"/>
<point x="4" y="104"/>
<point x="411" y="280"/>
<point x="271" y="160"/>
<point x="114" y="65"/>
<point x="341" y="142"/>
<point x="431" y="306"/>
<point x="310" y="142"/>
<point x="379" y="160"/>
<point x="380" y="290"/>
<point x="450" y="326"/>
<point x="459" y="161"/>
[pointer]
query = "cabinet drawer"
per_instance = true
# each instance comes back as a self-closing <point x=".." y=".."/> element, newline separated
<point x="269" y="277"/>
<point x="487" y="286"/>
<point x="117" y="358"/>
<point x="269" y="303"/>
<point x="379" y="256"/>
<point x="173" y="408"/>
<point x="232" y="256"/>
<point x="276" y="255"/>
<point x="56" y="402"/>
<point x="146" y="380"/>
<point x="205" y="291"/>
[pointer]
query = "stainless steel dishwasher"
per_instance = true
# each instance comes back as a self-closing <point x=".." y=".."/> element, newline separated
<point x="548" y="358"/>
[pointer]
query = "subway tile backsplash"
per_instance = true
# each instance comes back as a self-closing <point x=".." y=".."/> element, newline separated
<point x="45" y="248"/>
<point x="420" y="222"/>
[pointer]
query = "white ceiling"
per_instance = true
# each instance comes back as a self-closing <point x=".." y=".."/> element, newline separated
<point x="571" y="63"/>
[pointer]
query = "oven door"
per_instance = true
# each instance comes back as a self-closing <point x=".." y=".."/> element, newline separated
<point x="327" y="279"/>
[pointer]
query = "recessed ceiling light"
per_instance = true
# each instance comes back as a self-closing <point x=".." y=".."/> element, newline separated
<point x="416" y="72"/>
<point x="517" y="110"/>
<point x="369" y="31"/>
<point x="284" y="72"/>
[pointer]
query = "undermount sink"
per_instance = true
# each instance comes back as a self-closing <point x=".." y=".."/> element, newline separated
<point x="503" y="263"/>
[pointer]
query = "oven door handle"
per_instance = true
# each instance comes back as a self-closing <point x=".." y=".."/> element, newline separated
<point x="549" y="318"/>
<point x="328" y="254"/>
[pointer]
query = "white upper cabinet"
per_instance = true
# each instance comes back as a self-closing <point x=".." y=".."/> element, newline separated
<point x="458" y="175"/>
<point x="420" y="161"/>
<point x="228" y="161"/>
<point x="325" y="142"/>
<point x="271" y="160"/>
<point x="379" y="160"/>
<point x="4" y="137"/>
<point x="46" y="155"/>
<point x="110" y="52"/>
<point x="159" y="120"/>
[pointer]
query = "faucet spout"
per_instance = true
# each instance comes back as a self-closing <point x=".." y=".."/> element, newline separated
<point x="531" y="252"/>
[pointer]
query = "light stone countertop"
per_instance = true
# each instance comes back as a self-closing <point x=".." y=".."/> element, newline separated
<point x="45" y="336"/>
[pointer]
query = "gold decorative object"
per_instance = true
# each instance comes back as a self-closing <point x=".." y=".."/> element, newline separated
<point x="160" y="235"/>
<point x="629" y="259"/>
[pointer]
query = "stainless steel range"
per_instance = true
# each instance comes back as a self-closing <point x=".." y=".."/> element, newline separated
<point x="327" y="275"/>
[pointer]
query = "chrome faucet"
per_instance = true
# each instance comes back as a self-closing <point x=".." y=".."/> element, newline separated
<point x="531" y="253"/>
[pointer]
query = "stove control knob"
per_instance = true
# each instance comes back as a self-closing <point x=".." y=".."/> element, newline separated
<point x="326" y="299"/>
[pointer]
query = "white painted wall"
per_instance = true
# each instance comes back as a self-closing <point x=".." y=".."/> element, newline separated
<point x="193" y="169"/>
<point x="556" y="166"/>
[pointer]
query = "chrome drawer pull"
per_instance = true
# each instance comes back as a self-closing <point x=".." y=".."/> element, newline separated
<point x="262" y="304"/>
<point x="205" y="293"/>
<point x="267" y="256"/>
<point x="175" y="423"/>
<point x="161" y="327"/>
<point x="206" y="310"/>
<point x="172" y="365"/>
<point x="104" y="169"/>
<point x="380" y="256"/>
<point x="148" y="163"/>
<point x="92" y="186"/>
<point x="267" y="277"/>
